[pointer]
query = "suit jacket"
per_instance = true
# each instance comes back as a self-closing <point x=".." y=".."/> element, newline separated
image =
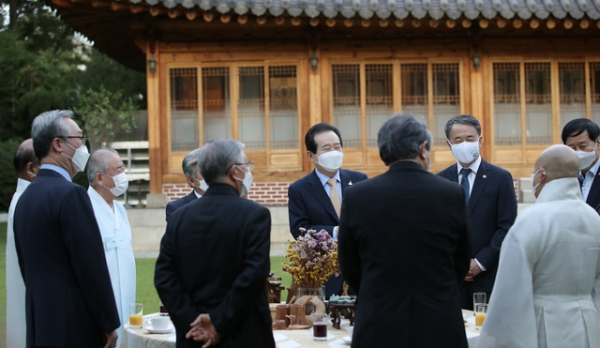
<point x="404" y="247"/>
<point x="593" y="198"/>
<point x="309" y="205"/>
<point x="69" y="297"/>
<point x="214" y="258"/>
<point x="176" y="204"/>
<point x="493" y="209"/>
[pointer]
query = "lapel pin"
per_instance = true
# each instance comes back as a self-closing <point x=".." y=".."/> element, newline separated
<point x="484" y="176"/>
<point x="350" y="183"/>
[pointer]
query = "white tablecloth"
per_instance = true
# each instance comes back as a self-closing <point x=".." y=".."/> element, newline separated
<point x="140" y="338"/>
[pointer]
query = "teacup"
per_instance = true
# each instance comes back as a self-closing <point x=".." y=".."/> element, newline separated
<point x="159" y="323"/>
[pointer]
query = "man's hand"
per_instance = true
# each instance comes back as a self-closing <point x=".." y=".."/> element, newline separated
<point x="203" y="330"/>
<point x="111" y="339"/>
<point x="474" y="270"/>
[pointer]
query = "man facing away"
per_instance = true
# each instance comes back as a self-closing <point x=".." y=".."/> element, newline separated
<point x="546" y="292"/>
<point x="404" y="246"/>
<point x="26" y="167"/>
<point x="194" y="179"/>
<point x="581" y="135"/>
<point x="491" y="200"/>
<point x="315" y="200"/>
<point x="107" y="178"/>
<point x="69" y="297"/>
<point x="214" y="258"/>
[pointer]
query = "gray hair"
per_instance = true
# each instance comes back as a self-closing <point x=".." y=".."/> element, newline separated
<point x="462" y="119"/>
<point x="189" y="163"/>
<point x="98" y="163"/>
<point x="401" y="136"/>
<point x="217" y="157"/>
<point x="47" y="126"/>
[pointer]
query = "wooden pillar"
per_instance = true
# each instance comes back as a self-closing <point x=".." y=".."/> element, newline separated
<point x="154" y="121"/>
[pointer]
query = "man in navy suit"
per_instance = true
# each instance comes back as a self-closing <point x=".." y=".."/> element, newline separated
<point x="491" y="200"/>
<point x="194" y="179"/>
<point x="69" y="298"/>
<point x="310" y="204"/>
<point x="581" y="135"/>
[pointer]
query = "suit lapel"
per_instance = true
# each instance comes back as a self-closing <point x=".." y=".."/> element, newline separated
<point x="318" y="191"/>
<point x="344" y="180"/>
<point x="452" y="173"/>
<point x="481" y="179"/>
<point x="594" y="190"/>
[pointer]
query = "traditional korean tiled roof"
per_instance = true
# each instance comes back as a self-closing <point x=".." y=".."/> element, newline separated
<point x="399" y="9"/>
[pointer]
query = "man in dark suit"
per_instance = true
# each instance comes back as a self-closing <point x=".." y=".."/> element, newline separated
<point x="214" y="258"/>
<point x="311" y="205"/>
<point x="194" y="179"/>
<point x="404" y="246"/>
<point x="69" y="297"/>
<point x="491" y="200"/>
<point x="581" y="135"/>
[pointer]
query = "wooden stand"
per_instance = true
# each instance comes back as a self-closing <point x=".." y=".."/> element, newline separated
<point x="336" y="316"/>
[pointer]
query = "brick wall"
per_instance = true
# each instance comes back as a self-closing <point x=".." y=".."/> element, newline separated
<point x="266" y="193"/>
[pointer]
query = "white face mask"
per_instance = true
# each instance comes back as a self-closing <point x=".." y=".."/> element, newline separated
<point x="121" y="184"/>
<point x="586" y="158"/>
<point x="80" y="157"/>
<point x="246" y="182"/>
<point x="331" y="161"/>
<point x="203" y="184"/>
<point x="534" y="187"/>
<point x="466" y="151"/>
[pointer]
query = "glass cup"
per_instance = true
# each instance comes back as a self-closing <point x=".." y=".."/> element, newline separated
<point x="479" y="297"/>
<point x="136" y="313"/>
<point x="480" y="313"/>
<point x="319" y="326"/>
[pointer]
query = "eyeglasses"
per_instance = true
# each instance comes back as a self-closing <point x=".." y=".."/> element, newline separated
<point x="80" y="137"/>
<point x="250" y="164"/>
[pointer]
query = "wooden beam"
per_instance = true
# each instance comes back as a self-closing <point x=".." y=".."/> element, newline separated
<point x="551" y="23"/>
<point x="584" y="24"/>
<point x="191" y="15"/>
<point x="314" y="22"/>
<point x="280" y="20"/>
<point x="242" y="19"/>
<point x="416" y="23"/>
<point x="100" y="4"/>
<point x="137" y="9"/>
<point x="501" y="23"/>
<point x="208" y="16"/>
<point x="348" y="22"/>
<point x="172" y="13"/>
<point x="466" y="23"/>
<point x="568" y="23"/>
<point x="484" y="23"/>
<point x="534" y="23"/>
<point x="115" y="6"/>
<point x="63" y="3"/>
<point x="296" y="21"/>
<point x="155" y="11"/>
<point x="383" y="23"/>
<point x="330" y="22"/>
<point x="433" y="23"/>
<point x="399" y="23"/>
<point x="261" y="20"/>
<point x="517" y="23"/>
<point x="450" y="23"/>
<point x="365" y="23"/>
<point x="225" y="18"/>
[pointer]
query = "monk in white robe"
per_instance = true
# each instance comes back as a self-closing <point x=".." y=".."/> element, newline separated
<point x="547" y="288"/>
<point x="107" y="181"/>
<point x="26" y="166"/>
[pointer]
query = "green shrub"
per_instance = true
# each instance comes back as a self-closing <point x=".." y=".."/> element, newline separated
<point x="8" y="177"/>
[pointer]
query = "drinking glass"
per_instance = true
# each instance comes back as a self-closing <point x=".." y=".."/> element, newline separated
<point x="320" y="326"/>
<point x="480" y="313"/>
<point x="136" y="313"/>
<point x="479" y="297"/>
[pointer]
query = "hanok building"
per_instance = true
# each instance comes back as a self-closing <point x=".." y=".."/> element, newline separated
<point x="264" y="71"/>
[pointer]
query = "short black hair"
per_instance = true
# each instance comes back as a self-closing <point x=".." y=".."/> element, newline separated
<point x="462" y="119"/>
<point x="309" y="140"/>
<point x="578" y="126"/>
<point x="22" y="158"/>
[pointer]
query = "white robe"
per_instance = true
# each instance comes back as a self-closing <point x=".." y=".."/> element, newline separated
<point x="116" y="235"/>
<point x="16" y="326"/>
<point x="546" y="290"/>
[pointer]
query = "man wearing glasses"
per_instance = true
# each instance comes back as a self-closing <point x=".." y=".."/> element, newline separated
<point x="69" y="297"/>
<point x="214" y="257"/>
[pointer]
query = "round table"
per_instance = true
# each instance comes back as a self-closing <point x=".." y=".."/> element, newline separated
<point x="140" y="338"/>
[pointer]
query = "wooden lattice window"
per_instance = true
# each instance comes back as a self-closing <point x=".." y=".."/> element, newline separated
<point x="184" y="109"/>
<point x="283" y="107"/>
<point x="216" y="104"/>
<point x="507" y="103"/>
<point x="594" y="72"/>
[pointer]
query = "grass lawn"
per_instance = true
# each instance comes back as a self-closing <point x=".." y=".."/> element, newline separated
<point x="146" y="293"/>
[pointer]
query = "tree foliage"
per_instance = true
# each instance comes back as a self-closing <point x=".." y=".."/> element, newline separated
<point x="105" y="114"/>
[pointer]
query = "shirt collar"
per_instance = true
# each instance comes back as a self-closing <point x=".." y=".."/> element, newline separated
<point x="197" y="194"/>
<point x="22" y="183"/>
<point x="324" y="177"/>
<point x="474" y="166"/>
<point x="594" y="169"/>
<point x="96" y="196"/>
<point x="60" y="170"/>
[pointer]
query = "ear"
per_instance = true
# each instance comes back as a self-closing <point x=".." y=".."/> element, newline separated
<point x="449" y="145"/>
<point x="310" y="156"/>
<point x="98" y="179"/>
<point x="480" y="141"/>
<point x="57" y="145"/>
<point x="423" y="149"/>
<point x="30" y="167"/>
<point x="190" y="181"/>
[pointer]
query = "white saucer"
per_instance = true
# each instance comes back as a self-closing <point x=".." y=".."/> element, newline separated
<point x="347" y="339"/>
<point x="164" y="331"/>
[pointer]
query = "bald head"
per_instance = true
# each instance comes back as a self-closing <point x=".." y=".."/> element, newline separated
<point x="558" y="161"/>
<point x="25" y="160"/>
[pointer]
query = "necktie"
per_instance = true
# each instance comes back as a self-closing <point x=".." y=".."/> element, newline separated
<point x="465" y="181"/>
<point x="335" y="197"/>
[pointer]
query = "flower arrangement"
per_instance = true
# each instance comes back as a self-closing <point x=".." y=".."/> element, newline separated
<point x="312" y="258"/>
